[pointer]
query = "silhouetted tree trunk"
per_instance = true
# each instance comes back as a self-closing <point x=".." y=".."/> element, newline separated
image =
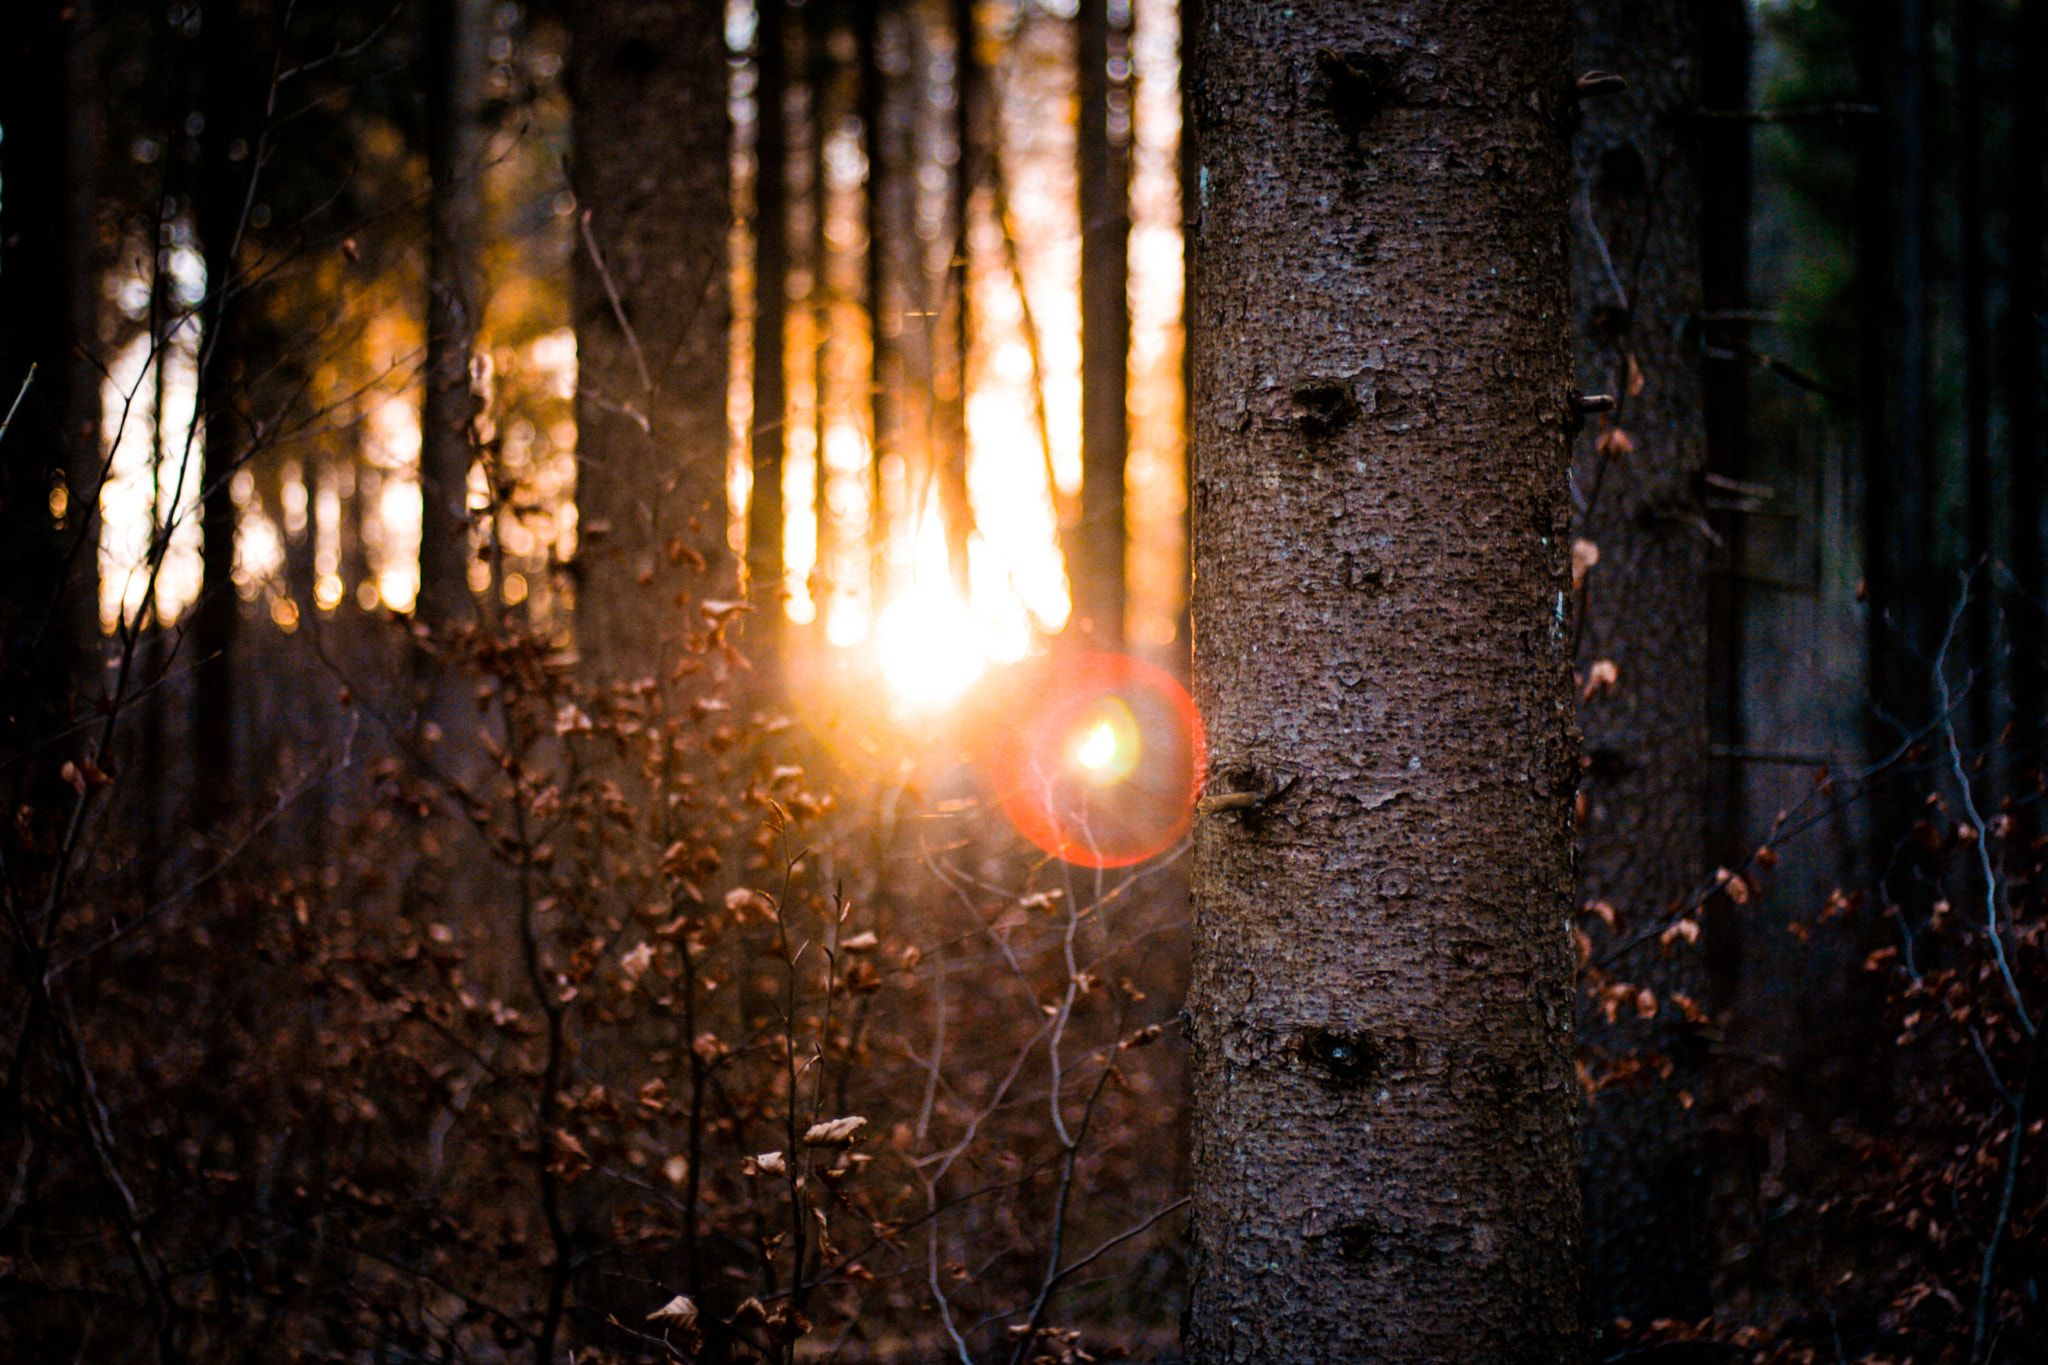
<point x="771" y="314"/>
<point x="1103" y="187"/>
<point x="953" y="372"/>
<point x="227" y="161"/>
<point x="49" y="302"/>
<point x="1979" y="494"/>
<point x="1725" y="194"/>
<point x="457" y="31"/>
<point x="1636" y="296"/>
<point x="1380" y="1017"/>
<point x="875" y="285"/>
<point x="652" y="311"/>
<point x="1892" y="375"/>
<point x="820" y="109"/>
<point x="2025" y="333"/>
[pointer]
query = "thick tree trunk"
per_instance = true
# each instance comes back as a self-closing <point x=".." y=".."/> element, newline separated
<point x="1102" y="180"/>
<point x="1380" y="1021"/>
<point x="653" y="314"/>
<point x="457" y="31"/>
<point x="1636" y="297"/>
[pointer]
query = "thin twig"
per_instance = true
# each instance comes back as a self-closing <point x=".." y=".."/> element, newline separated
<point x="611" y="292"/>
<point x="15" y="406"/>
<point x="1992" y="927"/>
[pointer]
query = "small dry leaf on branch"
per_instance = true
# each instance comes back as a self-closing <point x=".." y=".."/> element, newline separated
<point x="1636" y="383"/>
<point x="1602" y="677"/>
<point x="1585" y="554"/>
<point x="636" y="963"/>
<point x="834" y="1133"/>
<point x="864" y="942"/>
<point x="570" y="1159"/>
<point x="1614" y="443"/>
<point x="679" y="1311"/>
<point x="1687" y="929"/>
<point x="766" y="1163"/>
<point x="1148" y="1034"/>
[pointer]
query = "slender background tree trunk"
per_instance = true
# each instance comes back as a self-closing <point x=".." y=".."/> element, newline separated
<point x="954" y="372"/>
<point x="1636" y="296"/>
<point x="457" y="31"/>
<point x="1380" y="1020"/>
<point x="2025" y="333"/>
<point x="875" y="299"/>
<point x="1102" y="164"/>
<point x="771" y="315"/>
<point x="49" y="301"/>
<point x="227" y="148"/>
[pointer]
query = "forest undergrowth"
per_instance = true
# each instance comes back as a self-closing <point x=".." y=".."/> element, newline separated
<point x="518" y="1018"/>
<point x="624" y="1029"/>
<point x="607" y="1024"/>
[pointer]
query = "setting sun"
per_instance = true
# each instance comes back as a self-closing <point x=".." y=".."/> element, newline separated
<point x="926" y="642"/>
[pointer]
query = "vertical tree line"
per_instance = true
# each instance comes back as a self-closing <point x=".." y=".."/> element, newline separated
<point x="1382" y="389"/>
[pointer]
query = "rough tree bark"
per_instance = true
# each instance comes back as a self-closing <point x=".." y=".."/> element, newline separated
<point x="1103" y="184"/>
<point x="1636" y="294"/>
<point x="652" y="312"/>
<point x="1380" y="1021"/>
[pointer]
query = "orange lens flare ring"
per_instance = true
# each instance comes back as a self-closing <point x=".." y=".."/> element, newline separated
<point x="1096" y="760"/>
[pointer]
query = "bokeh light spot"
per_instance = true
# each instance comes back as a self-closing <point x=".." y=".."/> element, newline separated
<point x="1097" y="749"/>
<point x="1095" y="758"/>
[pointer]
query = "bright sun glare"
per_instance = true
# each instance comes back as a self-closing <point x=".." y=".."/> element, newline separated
<point x="1097" y="749"/>
<point x="926" y="640"/>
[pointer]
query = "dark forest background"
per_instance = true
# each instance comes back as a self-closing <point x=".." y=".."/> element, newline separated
<point x="537" y="540"/>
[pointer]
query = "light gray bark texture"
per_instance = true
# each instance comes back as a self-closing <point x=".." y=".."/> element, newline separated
<point x="1380" y="1020"/>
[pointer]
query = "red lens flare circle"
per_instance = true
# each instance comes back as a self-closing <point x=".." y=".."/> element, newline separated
<point x="1096" y="759"/>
